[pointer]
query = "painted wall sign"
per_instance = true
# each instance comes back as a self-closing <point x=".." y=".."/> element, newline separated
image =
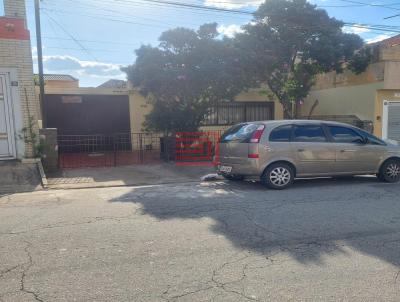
<point x="71" y="99"/>
<point x="14" y="29"/>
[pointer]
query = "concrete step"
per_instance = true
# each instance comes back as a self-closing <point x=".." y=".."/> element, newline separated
<point x="19" y="177"/>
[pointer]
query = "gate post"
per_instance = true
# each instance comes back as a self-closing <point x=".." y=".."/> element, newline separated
<point x="115" y="149"/>
<point x="141" y="159"/>
<point x="49" y="143"/>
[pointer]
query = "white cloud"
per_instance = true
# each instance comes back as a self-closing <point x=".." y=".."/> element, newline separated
<point x="81" y="68"/>
<point x="234" y="4"/>
<point x="378" y="38"/>
<point x="355" y="30"/>
<point x="231" y="4"/>
<point x="229" y="30"/>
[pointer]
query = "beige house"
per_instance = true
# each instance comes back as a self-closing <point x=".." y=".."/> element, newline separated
<point x="60" y="81"/>
<point x="247" y="106"/>
<point x="373" y="96"/>
<point x="18" y="102"/>
<point x="370" y="98"/>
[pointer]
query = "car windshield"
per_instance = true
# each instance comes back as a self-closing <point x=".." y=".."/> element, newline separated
<point x="239" y="133"/>
<point x="372" y="138"/>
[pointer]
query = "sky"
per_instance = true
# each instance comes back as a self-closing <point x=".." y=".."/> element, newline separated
<point x="93" y="39"/>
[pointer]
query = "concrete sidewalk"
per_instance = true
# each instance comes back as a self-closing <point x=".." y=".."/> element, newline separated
<point x="19" y="177"/>
<point x="126" y="176"/>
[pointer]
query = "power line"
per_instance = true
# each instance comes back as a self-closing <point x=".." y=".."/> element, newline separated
<point x="141" y="3"/>
<point x="96" y="7"/>
<point x="103" y="18"/>
<point x="390" y="17"/>
<point x="89" y="41"/>
<point x="193" y="6"/>
<point x="384" y="28"/>
<point x="91" y="49"/>
<point x="72" y="37"/>
<point x="387" y="6"/>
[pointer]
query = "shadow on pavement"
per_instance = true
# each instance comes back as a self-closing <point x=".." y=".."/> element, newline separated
<point x="312" y="219"/>
<point x="126" y="175"/>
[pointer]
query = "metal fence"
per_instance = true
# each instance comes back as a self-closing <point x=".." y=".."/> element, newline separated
<point x="108" y="150"/>
<point x="101" y="150"/>
<point x="230" y="113"/>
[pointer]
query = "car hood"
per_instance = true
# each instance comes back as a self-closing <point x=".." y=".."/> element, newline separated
<point x="392" y="142"/>
<point x="393" y="146"/>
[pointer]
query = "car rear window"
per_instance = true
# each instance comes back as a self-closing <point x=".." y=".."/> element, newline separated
<point x="309" y="133"/>
<point x="281" y="134"/>
<point x="241" y="133"/>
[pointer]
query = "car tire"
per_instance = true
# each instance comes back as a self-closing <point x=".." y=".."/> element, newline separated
<point x="233" y="177"/>
<point x="390" y="171"/>
<point x="278" y="176"/>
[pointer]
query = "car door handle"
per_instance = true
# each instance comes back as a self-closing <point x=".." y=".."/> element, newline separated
<point x="347" y="150"/>
<point x="300" y="150"/>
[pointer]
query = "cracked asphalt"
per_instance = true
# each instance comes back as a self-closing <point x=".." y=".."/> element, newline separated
<point x="322" y="240"/>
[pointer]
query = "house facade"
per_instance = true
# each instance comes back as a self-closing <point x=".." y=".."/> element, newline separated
<point x="19" y="105"/>
<point x="372" y="97"/>
<point x="247" y="106"/>
<point x="60" y="81"/>
<point x="124" y="109"/>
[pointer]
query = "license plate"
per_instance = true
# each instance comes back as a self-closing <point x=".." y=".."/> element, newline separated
<point x="225" y="169"/>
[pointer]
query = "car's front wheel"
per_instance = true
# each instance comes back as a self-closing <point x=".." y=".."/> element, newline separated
<point x="278" y="176"/>
<point x="390" y="171"/>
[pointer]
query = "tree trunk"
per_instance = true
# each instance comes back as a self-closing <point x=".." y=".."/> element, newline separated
<point x="287" y="112"/>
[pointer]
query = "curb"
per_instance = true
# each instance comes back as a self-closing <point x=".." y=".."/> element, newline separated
<point x="102" y="186"/>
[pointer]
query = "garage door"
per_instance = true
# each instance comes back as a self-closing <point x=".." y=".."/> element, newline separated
<point x="6" y="124"/>
<point x="391" y="122"/>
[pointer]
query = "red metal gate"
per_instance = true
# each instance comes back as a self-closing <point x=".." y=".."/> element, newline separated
<point x="197" y="148"/>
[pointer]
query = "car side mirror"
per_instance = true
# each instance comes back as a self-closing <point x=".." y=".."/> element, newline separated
<point x="361" y="141"/>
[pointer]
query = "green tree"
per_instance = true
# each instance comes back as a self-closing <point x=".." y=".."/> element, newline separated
<point x="187" y="73"/>
<point x="288" y="43"/>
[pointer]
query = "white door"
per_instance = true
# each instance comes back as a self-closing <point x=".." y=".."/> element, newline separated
<point x="7" y="141"/>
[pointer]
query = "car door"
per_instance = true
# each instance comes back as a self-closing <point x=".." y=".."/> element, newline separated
<point x="354" y="154"/>
<point x="312" y="150"/>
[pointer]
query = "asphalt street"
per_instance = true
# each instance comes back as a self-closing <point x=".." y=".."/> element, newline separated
<point x="321" y="240"/>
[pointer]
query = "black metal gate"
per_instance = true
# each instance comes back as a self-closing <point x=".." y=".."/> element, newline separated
<point x="77" y="151"/>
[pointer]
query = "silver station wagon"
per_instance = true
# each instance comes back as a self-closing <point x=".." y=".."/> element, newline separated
<point x="277" y="152"/>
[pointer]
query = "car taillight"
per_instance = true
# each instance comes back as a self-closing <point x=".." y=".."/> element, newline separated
<point x="255" y="138"/>
<point x="253" y="155"/>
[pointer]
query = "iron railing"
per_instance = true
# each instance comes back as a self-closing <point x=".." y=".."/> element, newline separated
<point x="238" y="112"/>
<point x="107" y="150"/>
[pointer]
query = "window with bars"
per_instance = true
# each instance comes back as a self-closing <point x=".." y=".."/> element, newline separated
<point x="239" y="112"/>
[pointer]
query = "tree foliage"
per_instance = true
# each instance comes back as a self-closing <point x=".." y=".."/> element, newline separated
<point x="187" y="73"/>
<point x="289" y="42"/>
<point x="286" y="45"/>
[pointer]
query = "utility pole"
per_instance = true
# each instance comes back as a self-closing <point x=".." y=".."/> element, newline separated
<point x="40" y="60"/>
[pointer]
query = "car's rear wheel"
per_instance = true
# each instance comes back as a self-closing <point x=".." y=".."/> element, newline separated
<point x="278" y="176"/>
<point x="390" y="171"/>
<point x="233" y="177"/>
